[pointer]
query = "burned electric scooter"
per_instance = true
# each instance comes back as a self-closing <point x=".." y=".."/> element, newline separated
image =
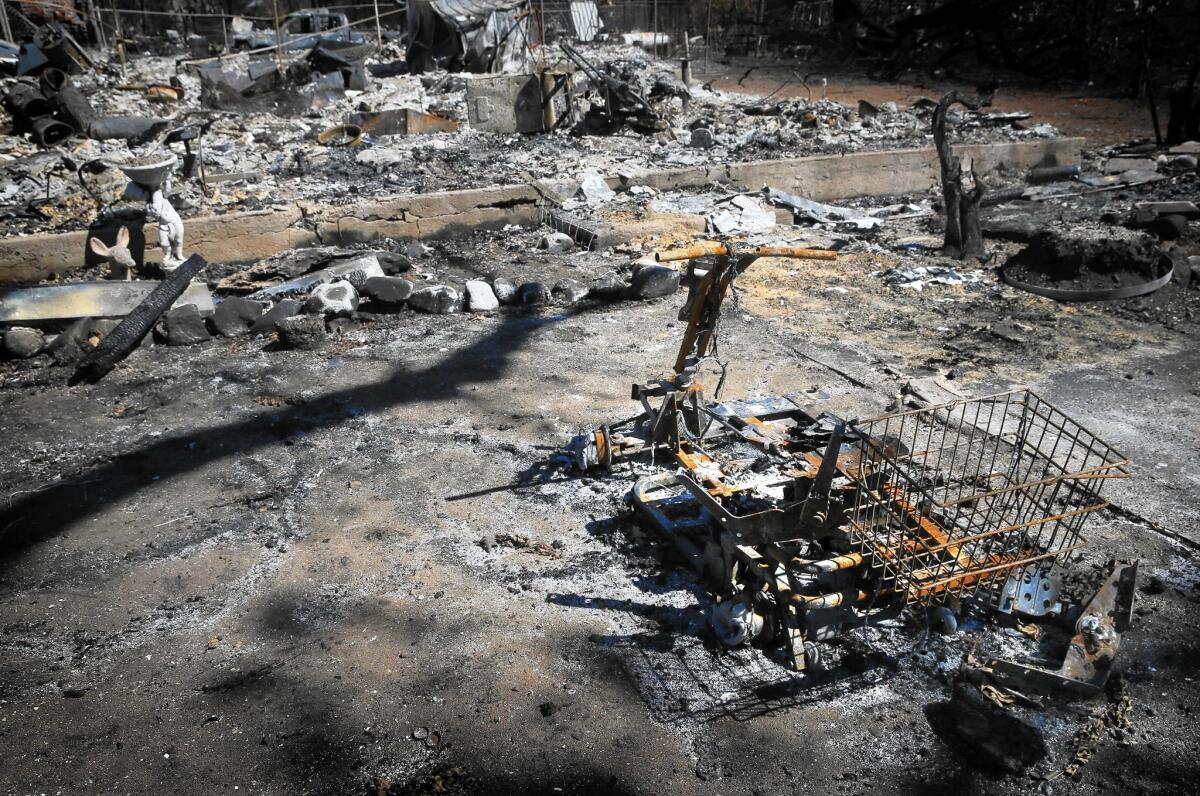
<point x="802" y="524"/>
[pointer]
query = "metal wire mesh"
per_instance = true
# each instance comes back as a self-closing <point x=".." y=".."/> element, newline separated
<point x="953" y="499"/>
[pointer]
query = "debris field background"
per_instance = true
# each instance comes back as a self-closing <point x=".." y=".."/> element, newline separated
<point x="347" y="565"/>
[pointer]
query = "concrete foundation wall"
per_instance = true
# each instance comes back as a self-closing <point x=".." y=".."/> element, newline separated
<point x="251" y="236"/>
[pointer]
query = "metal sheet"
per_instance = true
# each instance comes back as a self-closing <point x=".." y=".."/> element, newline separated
<point x="89" y="300"/>
<point x="506" y="104"/>
<point x="585" y="20"/>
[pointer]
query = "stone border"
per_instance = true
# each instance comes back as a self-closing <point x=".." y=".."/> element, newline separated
<point x="245" y="237"/>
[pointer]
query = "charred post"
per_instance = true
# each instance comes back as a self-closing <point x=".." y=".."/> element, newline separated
<point x="964" y="236"/>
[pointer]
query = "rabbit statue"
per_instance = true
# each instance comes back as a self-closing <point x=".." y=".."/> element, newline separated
<point x="120" y="260"/>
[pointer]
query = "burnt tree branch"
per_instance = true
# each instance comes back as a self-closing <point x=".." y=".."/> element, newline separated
<point x="964" y="236"/>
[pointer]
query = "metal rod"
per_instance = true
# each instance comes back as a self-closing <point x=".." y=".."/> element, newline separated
<point x="378" y="26"/>
<point x="278" y="37"/>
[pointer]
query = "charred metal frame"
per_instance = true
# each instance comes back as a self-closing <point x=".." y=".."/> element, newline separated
<point x="805" y="524"/>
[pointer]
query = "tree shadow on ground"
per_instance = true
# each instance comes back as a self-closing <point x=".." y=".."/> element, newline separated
<point x="43" y="513"/>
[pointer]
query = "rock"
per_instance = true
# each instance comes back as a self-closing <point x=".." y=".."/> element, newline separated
<point x="438" y="299"/>
<point x="284" y="309"/>
<point x="568" y="291"/>
<point x="610" y="287"/>
<point x="1186" y="148"/>
<point x="1170" y="227"/>
<point x="889" y="107"/>
<point x="595" y="189"/>
<point x="22" y="342"/>
<point x="1189" y="162"/>
<point x="557" y="243"/>
<point x="480" y="297"/>
<point x="389" y="292"/>
<point x="533" y="294"/>
<point x="235" y="316"/>
<point x="336" y="299"/>
<point x="71" y="344"/>
<point x="505" y="290"/>
<point x="702" y="138"/>
<point x="303" y="332"/>
<point x="184" y="326"/>
<point x="393" y="263"/>
<point x="654" y="281"/>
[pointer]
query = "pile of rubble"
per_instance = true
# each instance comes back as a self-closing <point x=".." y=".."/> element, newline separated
<point x="336" y="123"/>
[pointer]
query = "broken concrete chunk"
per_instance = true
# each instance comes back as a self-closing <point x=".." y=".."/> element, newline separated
<point x="235" y="316"/>
<point x="568" y="291"/>
<point x="303" y="332"/>
<point x="654" y="281"/>
<point x="22" y="342"/>
<point x="437" y="299"/>
<point x="71" y="344"/>
<point x="336" y="299"/>
<point x="389" y="292"/>
<point x="505" y="290"/>
<point x="533" y="294"/>
<point x="595" y="190"/>
<point x="1186" y="148"/>
<point x="557" y="243"/>
<point x="184" y="326"/>
<point x="480" y="297"/>
<point x="284" y="309"/>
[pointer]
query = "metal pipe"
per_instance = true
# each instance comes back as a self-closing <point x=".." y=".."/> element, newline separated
<point x="126" y="127"/>
<point x="715" y="249"/>
<point x="831" y="600"/>
<point x="835" y="564"/>
<point x="48" y="132"/>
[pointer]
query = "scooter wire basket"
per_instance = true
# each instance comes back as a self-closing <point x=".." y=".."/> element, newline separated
<point x="958" y="498"/>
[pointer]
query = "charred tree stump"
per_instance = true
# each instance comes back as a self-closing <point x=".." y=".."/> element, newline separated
<point x="130" y="332"/>
<point x="964" y="235"/>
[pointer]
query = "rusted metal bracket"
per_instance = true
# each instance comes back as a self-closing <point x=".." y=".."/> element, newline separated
<point x="1089" y="659"/>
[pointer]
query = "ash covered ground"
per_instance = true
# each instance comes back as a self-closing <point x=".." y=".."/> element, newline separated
<point x="356" y="567"/>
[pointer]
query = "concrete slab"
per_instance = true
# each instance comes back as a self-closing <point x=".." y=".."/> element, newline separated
<point x="246" y="237"/>
<point x="89" y="300"/>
